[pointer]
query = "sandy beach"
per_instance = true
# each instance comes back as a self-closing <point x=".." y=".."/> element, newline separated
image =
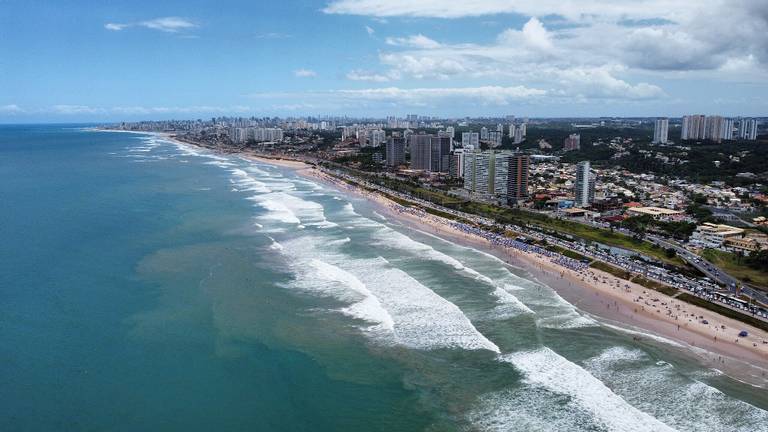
<point x="645" y="315"/>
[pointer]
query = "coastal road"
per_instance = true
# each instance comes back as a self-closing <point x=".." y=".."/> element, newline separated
<point x="711" y="270"/>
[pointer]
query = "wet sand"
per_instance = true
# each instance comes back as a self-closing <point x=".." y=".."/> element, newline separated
<point x="643" y="314"/>
<point x="648" y="316"/>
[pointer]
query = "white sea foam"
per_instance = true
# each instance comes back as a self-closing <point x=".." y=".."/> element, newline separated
<point x="245" y="182"/>
<point x="546" y="369"/>
<point x="506" y="299"/>
<point x="510" y="304"/>
<point x="515" y="282"/>
<point x="220" y="164"/>
<point x="277" y="211"/>
<point x="684" y="403"/>
<point x="394" y="239"/>
<point x="187" y="150"/>
<point x="258" y="171"/>
<point x="367" y="308"/>
<point x="291" y="209"/>
<point x="529" y="410"/>
<point x="348" y="209"/>
<point x="554" y="312"/>
<point x="339" y="241"/>
<point x="275" y="245"/>
<point x="421" y="318"/>
<point x="635" y="332"/>
<point x="379" y="215"/>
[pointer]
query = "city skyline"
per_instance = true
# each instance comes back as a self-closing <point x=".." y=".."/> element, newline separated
<point x="93" y="63"/>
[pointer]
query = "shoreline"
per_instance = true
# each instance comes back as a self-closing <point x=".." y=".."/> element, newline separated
<point x="611" y="301"/>
<point x="625" y="307"/>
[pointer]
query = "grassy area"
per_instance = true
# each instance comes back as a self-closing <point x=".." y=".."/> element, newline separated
<point x="614" y="239"/>
<point x="656" y="286"/>
<point x="617" y="240"/>
<point x="567" y="252"/>
<point x="730" y="263"/>
<point x="722" y="310"/>
<point x="620" y="273"/>
<point x="505" y="215"/>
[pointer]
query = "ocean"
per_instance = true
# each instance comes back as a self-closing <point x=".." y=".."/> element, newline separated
<point x="147" y="285"/>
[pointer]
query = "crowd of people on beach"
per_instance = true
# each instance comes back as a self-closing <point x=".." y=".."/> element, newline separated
<point x="484" y="228"/>
<point x="645" y="300"/>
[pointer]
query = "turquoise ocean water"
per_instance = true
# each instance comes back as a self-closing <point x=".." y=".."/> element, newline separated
<point x="148" y="286"/>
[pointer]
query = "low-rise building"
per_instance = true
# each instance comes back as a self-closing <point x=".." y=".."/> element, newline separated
<point x="741" y="245"/>
<point x="657" y="213"/>
<point x="709" y="235"/>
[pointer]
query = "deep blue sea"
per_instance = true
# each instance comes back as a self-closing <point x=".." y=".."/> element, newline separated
<point x="149" y="286"/>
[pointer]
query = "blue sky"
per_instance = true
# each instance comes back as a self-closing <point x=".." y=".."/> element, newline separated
<point x="64" y="61"/>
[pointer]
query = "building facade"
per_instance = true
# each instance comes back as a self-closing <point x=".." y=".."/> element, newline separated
<point x="661" y="131"/>
<point x="585" y="185"/>
<point x="573" y="142"/>
<point x="486" y="173"/>
<point x="430" y="153"/>
<point x="517" y="179"/>
<point x="395" y="151"/>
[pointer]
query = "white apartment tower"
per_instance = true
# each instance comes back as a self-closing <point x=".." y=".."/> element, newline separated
<point x="585" y="185"/>
<point x="661" y="131"/>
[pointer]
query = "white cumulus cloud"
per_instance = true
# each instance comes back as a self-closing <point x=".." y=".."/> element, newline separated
<point x="304" y="73"/>
<point x="414" y="41"/>
<point x="164" y="24"/>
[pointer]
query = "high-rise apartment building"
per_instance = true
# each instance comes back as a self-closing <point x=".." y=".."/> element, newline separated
<point x="495" y="138"/>
<point x="451" y="133"/>
<point x="661" y="131"/>
<point x="517" y="179"/>
<point x="585" y="185"/>
<point x="440" y="148"/>
<point x="376" y="137"/>
<point x="519" y="136"/>
<point x="487" y="173"/>
<point x="430" y="153"/>
<point x="726" y="131"/>
<point x="747" y="129"/>
<point x="694" y="127"/>
<point x="573" y="142"/>
<point x="456" y="165"/>
<point x="421" y="153"/>
<point x="395" y="151"/>
<point x="715" y="128"/>
<point x="470" y="139"/>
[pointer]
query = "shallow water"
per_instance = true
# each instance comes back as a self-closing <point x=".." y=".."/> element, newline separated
<point x="146" y="285"/>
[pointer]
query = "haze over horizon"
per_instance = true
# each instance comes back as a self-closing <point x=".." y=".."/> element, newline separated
<point x="90" y="62"/>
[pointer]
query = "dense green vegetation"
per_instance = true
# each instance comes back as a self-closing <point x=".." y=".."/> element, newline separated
<point x="567" y="252"/>
<point x="752" y="270"/>
<point x="619" y="273"/>
<point x="504" y="215"/>
<point x="656" y="286"/>
<point x="642" y="224"/>
<point x="734" y="156"/>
